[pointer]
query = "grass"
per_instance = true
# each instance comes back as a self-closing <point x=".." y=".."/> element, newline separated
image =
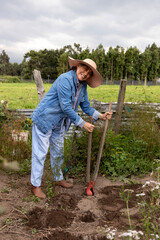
<point x="24" y="95"/>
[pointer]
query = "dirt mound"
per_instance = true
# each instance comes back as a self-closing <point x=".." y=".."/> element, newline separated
<point x="114" y="207"/>
<point x="61" y="235"/>
<point x="41" y="218"/>
<point x="65" y="201"/>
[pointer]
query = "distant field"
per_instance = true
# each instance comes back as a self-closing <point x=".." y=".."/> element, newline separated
<point x="24" y="95"/>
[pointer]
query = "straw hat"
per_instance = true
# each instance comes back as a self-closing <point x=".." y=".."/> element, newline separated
<point x="96" y="78"/>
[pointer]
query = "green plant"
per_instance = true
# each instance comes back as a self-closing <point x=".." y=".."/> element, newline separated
<point x="27" y="124"/>
<point x="125" y="194"/>
<point x="149" y="208"/>
<point x="35" y="199"/>
<point x="8" y="221"/>
<point x="25" y="167"/>
<point x="5" y="190"/>
<point x="10" y="79"/>
<point x="50" y="192"/>
<point x="13" y="146"/>
<point x="33" y="231"/>
<point x="123" y="154"/>
<point x="27" y="199"/>
<point x="143" y="126"/>
<point x="24" y="211"/>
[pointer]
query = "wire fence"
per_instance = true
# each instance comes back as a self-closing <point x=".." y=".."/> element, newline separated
<point x="109" y="82"/>
<point x="102" y="107"/>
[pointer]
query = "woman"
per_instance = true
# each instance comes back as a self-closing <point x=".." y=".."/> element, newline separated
<point x="54" y="114"/>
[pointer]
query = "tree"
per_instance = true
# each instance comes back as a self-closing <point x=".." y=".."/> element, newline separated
<point x="145" y="62"/>
<point x="98" y="55"/>
<point x="132" y="63"/>
<point x="62" y="63"/>
<point x="119" y="63"/>
<point x="4" y="62"/>
<point x="154" y="66"/>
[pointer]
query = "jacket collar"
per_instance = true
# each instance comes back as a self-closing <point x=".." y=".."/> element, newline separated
<point x="75" y="79"/>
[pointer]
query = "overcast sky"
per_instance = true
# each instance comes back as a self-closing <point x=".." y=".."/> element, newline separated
<point x="38" y="24"/>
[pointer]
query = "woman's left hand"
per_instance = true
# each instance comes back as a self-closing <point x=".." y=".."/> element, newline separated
<point x="106" y="115"/>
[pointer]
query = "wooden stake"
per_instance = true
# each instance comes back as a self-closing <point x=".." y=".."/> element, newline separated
<point x="39" y="84"/>
<point x="120" y="103"/>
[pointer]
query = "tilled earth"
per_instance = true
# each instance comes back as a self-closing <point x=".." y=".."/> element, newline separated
<point x="69" y="215"/>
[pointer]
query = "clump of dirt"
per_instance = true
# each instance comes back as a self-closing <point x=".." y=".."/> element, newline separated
<point x="65" y="201"/>
<point x="87" y="217"/>
<point x="61" y="235"/>
<point x="40" y="218"/>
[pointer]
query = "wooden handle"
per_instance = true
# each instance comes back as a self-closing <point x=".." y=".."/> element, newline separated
<point x="101" y="145"/>
<point x="89" y="155"/>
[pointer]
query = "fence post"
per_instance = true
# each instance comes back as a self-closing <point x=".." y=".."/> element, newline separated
<point x="120" y="103"/>
<point x="39" y="84"/>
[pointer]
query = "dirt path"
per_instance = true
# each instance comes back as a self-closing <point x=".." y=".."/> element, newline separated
<point x="70" y="215"/>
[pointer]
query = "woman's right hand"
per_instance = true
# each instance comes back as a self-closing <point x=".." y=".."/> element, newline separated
<point x="88" y="126"/>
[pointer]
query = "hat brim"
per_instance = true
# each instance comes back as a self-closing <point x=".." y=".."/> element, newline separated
<point x="96" y="78"/>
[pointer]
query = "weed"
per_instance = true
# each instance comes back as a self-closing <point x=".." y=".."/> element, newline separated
<point x="8" y="221"/>
<point x="125" y="194"/>
<point x="13" y="146"/>
<point x="33" y="231"/>
<point x="25" y="167"/>
<point x="5" y="190"/>
<point x="35" y="199"/>
<point x="50" y="192"/>
<point x="27" y="199"/>
<point x="24" y="211"/>
<point x="123" y="155"/>
<point x="149" y="208"/>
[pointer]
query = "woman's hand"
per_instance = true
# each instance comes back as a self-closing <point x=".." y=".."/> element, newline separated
<point x="106" y="115"/>
<point x="88" y="126"/>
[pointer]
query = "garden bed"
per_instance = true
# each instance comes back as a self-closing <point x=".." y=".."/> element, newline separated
<point x="69" y="214"/>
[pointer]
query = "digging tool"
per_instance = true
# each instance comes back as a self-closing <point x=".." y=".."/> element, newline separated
<point x="89" y="191"/>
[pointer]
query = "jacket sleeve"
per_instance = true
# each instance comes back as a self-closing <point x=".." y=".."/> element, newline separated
<point x="85" y="106"/>
<point x="66" y="98"/>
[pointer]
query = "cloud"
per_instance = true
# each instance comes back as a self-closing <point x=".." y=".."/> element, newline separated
<point x="51" y="24"/>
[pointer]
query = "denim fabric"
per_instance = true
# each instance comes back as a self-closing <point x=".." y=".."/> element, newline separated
<point x="52" y="118"/>
<point x="59" y="101"/>
<point x="40" y="144"/>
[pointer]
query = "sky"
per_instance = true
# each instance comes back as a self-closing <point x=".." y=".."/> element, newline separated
<point x="52" y="24"/>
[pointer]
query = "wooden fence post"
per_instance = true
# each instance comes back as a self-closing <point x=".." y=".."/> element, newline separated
<point x="120" y="103"/>
<point x="39" y="84"/>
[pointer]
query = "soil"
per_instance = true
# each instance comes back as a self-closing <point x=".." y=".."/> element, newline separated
<point x="69" y="215"/>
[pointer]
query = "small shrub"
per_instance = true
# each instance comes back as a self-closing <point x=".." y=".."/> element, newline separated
<point x="132" y="152"/>
<point x="10" y="79"/>
<point x="10" y="148"/>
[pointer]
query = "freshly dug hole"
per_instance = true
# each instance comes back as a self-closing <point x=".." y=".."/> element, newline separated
<point x="41" y="218"/>
<point x="87" y="217"/>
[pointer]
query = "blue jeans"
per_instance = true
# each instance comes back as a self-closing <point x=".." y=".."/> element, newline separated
<point x="40" y="144"/>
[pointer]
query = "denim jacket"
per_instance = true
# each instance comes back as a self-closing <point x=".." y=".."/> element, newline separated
<point x="58" y="103"/>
